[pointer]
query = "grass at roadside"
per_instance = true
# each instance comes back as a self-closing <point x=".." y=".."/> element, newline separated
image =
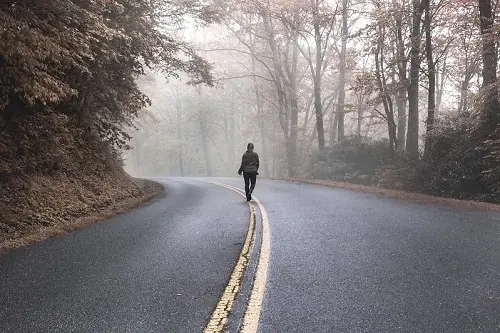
<point x="147" y="190"/>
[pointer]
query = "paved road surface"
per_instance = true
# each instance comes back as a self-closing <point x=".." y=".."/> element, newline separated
<point x="340" y="262"/>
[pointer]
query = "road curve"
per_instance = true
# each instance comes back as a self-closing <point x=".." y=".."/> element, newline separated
<point x="340" y="261"/>
<point x="159" y="268"/>
<point x="343" y="261"/>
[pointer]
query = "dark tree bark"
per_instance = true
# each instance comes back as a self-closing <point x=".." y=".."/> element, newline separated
<point x="384" y="94"/>
<point x="471" y="65"/>
<point x="317" y="77"/>
<point x="360" y="111"/>
<point x="333" y="119"/>
<point x="464" y="96"/>
<point x="413" y="122"/>
<point x="491" y="107"/>
<point x="431" y="75"/>
<point x="342" y="70"/>
<point x="402" y="100"/>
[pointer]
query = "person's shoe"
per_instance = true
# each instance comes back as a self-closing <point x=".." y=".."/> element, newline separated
<point x="249" y="197"/>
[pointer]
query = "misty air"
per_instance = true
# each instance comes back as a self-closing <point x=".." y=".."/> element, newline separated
<point x="254" y="166"/>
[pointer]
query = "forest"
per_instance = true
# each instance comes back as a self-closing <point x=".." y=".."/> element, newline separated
<point x="390" y="93"/>
<point x="398" y="94"/>
<point x="68" y="93"/>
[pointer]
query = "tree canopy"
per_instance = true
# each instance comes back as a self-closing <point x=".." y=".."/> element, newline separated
<point x="83" y="56"/>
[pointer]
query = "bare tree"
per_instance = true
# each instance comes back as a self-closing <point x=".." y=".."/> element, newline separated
<point x="384" y="94"/>
<point x="402" y="62"/>
<point x="431" y="72"/>
<point x="342" y="72"/>
<point x="413" y="122"/>
<point x="491" y="108"/>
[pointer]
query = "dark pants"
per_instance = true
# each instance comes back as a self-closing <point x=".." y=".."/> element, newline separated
<point x="250" y="180"/>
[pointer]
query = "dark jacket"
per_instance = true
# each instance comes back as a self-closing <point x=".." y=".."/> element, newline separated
<point x="249" y="162"/>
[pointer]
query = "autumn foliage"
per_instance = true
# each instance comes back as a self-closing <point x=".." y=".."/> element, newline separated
<point x="68" y="72"/>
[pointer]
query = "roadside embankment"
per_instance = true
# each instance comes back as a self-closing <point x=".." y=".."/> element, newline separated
<point x="41" y="207"/>
<point x="56" y="177"/>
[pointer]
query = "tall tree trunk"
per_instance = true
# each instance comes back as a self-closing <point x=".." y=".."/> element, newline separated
<point x="412" y="135"/>
<point x="231" y="137"/>
<point x="463" y="105"/>
<point x="440" y="87"/>
<point x="317" y="76"/>
<point x="384" y="95"/>
<point x="342" y="70"/>
<point x="471" y="67"/>
<point x="491" y="108"/>
<point x="260" y="113"/>
<point x="401" y="100"/>
<point x="204" y="143"/>
<point x="204" y="136"/>
<point x="431" y="75"/>
<point x="359" y="122"/>
<point x="401" y="107"/>
<point x="333" y="132"/>
<point x="333" y="119"/>
<point x="273" y="140"/>
<point x="294" y="105"/>
<point x="179" y="136"/>
<point x="279" y="81"/>
<point x="230" y="164"/>
<point x="264" y="161"/>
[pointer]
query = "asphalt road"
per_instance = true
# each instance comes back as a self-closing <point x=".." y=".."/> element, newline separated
<point x="340" y="261"/>
<point x="159" y="268"/>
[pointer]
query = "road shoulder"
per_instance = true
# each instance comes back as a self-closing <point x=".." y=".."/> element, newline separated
<point x="145" y="191"/>
<point x="402" y="195"/>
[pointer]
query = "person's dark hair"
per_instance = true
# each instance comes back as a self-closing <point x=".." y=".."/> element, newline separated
<point x="250" y="146"/>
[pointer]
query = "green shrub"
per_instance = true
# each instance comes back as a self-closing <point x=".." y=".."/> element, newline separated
<point x="491" y="173"/>
<point x="458" y="163"/>
<point x="402" y="173"/>
<point x="355" y="159"/>
<point x="454" y="165"/>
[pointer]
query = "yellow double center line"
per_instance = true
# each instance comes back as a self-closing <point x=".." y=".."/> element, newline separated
<point x="252" y="313"/>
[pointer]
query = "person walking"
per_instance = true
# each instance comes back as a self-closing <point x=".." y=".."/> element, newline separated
<point x="249" y="167"/>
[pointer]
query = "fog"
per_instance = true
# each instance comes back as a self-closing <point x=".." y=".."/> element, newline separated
<point x="295" y="82"/>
